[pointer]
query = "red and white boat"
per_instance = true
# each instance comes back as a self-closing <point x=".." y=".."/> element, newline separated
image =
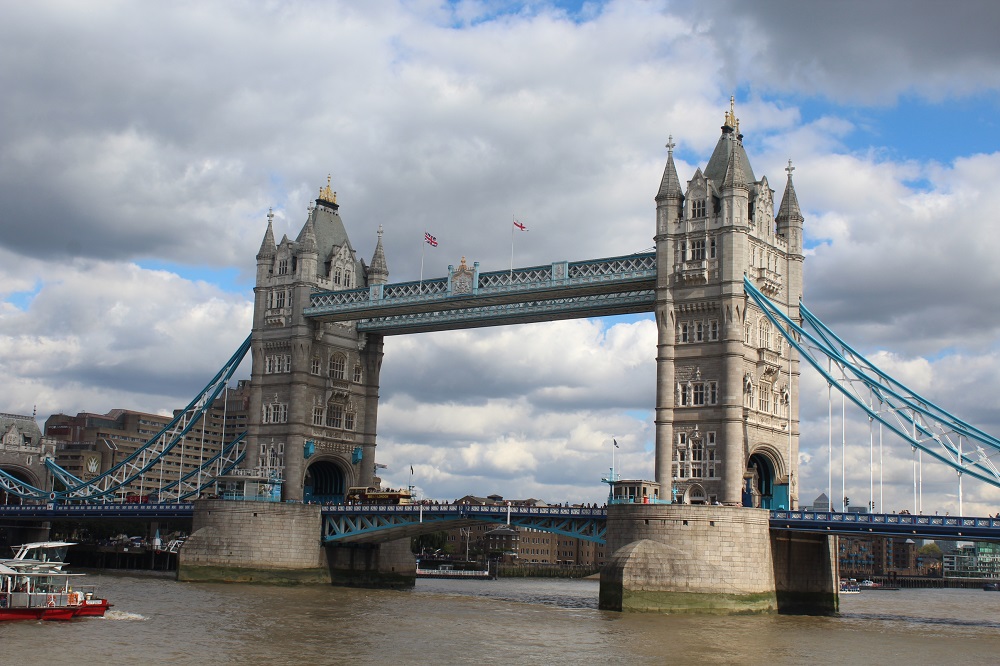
<point x="33" y="586"/>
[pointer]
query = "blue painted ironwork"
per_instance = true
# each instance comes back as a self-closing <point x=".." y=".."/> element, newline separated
<point x="55" y="511"/>
<point x="523" y="312"/>
<point x="888" y="524"/>
<point x="543" y="290"/>
<point x="915" y="419"/>
<point x="145" y="459"/>
<point x="378" y="523"/>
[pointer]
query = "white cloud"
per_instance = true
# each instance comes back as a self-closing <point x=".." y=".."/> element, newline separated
<point x="174" y="129"/>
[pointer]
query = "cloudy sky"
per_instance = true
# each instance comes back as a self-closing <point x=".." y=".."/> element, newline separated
<point x="141" y="145"/>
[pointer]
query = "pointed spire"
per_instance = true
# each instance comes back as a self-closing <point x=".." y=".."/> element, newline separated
<point x="734" y="169"/>
<point x="670" y="185"/>
<point x="267" y="247"/>
<point x="308" y="237"/>
<point x="378" y="272"/>
<point x="789" y="208"/>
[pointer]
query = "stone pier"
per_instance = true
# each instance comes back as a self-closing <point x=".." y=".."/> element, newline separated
<point x="712" y="559"/>
<point x="254" y="542"/>
<point x="274" y="542"/>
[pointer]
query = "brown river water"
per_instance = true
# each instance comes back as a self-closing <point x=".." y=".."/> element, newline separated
<point x="508" y="621"/>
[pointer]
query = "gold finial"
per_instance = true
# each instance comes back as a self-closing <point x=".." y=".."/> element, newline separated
<point x="731" y="119"/>
<point x="327" y="194"/>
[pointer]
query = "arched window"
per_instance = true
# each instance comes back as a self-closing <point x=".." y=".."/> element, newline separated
<point x="336" y="277"/>
<point x="764" y="334"/>
<point x="357" y="373"/>
<point x="338" y="366"/>
<point x="335" y="416"/>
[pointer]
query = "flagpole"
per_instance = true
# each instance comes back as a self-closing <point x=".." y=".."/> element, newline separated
<point x="512" y="219"/>
<point x="423" y="241"/>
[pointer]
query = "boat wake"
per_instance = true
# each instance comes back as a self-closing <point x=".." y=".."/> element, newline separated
<point x="124" y="616"/>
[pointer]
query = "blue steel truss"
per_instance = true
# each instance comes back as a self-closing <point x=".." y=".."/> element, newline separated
<point x="614" y="285"/>
<point x="379" y="523"/>
<point x="145" y="461"/>
<point x="915" y="419"/>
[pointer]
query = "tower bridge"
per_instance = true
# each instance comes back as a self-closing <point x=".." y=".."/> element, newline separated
<point x="724" y="284"/>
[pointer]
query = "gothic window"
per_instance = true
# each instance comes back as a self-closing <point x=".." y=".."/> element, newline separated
<point x="698" y="250"/>
<point x="779" y="342"/>
<point x="275" y="413"/>
<point x="699" y="331"/>
<point x="685" y="334"/>
<point x="349" y="421"/>
<point x="697" y="457"/>
<point x="337" y="366"/>
<point x="336" y="277"/>
<point x="747" y="334"/>
<point x="713" y="393"/>
<point x="684" y="250"/>
<point x="357" y="374"/>
<point x="764" y="334"/>
<point x="698" y="208"/>
<point x="335" y="416"/>
<point x="279" y="298"/>
<point x="277" y="363"/>
<point x="272" y="456"/>
<point x="711" y="249"/>
<point x="347" y="279"/>
<point x="283" y="267"/>
<point x="698" y="394"/>
<point x="713" y="330"/>
<point x="317" y="416"/>
<point x="315" y="367"/>
<point x="765" y="398"/>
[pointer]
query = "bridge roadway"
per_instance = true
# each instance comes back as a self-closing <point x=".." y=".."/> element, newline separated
<point x="344" y="523"/>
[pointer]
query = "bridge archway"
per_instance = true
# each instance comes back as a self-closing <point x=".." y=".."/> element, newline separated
<point x="20" y="474"/>
<point x="762" y="485"/>
<point x="695" y="494"/>
<point x="325" y="481"/>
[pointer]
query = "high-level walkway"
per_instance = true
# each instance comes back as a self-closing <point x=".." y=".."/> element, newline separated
<point x="467" y="298"/>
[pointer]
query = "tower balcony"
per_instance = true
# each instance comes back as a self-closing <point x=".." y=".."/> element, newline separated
<point x="768" y="360"/>
<point x="694" y="271"/>
<point x="277" y="316"/>
<point x="768" y="281"/>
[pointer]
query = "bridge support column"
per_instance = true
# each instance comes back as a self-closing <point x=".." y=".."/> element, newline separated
<point x="254" y="542"/>
<point x="384" y="565"/>
<point x="806" y="574"/>
<point x="679" y="558"/>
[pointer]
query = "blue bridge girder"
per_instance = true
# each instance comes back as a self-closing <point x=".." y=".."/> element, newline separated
<point x="55" y="511"/>
<point x="380" y="523"/>
<point x="344" y="523"/>
<point x="562" y="290"/>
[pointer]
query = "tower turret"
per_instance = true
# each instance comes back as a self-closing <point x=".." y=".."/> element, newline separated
<point x="378" y="272"/>
<point x="268" y="250"/>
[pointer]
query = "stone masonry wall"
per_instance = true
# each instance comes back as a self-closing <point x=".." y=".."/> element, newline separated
<point x="254" y="542"/>
<point x="684" y="558"/>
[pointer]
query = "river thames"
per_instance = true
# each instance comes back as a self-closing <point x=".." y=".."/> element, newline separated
<point x="508" y="621"/>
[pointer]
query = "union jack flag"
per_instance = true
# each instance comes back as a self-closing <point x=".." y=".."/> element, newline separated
<point x="430" y="240"/>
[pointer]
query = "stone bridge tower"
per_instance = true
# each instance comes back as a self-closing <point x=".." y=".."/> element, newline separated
<point x="727" y="424"/>
<point x="314" y="386"/>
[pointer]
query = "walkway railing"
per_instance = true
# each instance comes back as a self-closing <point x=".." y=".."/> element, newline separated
<point x="465" y="289"/>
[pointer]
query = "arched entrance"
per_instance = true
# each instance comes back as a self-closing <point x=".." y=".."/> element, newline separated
<point x="758" y="482"/>
<point x="324" y="483"/>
